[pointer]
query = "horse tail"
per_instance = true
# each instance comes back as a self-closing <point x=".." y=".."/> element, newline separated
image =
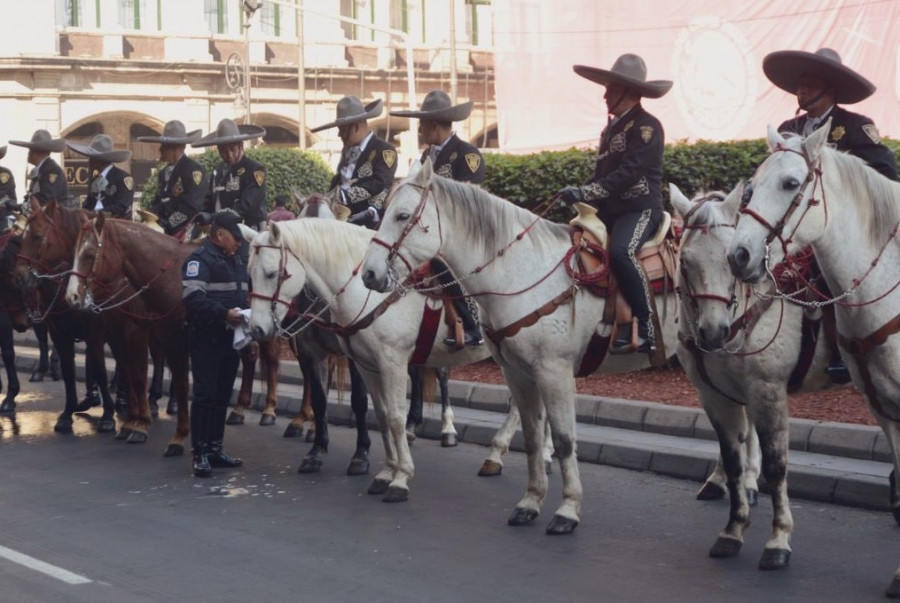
<point x="338" y="371"/>
<point x="429" y="378"/>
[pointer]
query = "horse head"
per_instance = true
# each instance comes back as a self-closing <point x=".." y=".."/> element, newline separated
<point x="409" y="231"/>
<point x="705" y="284"/>
<point x="277" y="278"/>
<point x="783" y="205"/>
<point x="87" y="248"/>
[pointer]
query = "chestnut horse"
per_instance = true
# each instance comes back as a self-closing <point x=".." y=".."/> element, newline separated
<point x="12" y="315"/>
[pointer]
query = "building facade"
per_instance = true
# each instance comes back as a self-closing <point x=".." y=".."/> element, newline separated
<point x="125" y="67"/>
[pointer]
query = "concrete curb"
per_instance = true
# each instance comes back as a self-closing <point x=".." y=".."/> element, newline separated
<point x="830" y="462"/>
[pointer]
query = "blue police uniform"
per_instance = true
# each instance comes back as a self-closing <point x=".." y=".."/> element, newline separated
<point x="213" y="282"/>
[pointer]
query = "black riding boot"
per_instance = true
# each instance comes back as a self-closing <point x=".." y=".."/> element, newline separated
<point x="218" y="458"/>
<point x="622" y="343"/>
<point x="201" y="464"/>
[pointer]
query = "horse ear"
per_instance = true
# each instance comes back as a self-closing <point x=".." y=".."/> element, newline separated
<point x="681" y="203"/>
<point x="424" y="175"/>
<point x="732" y="202"/>
<point x="275" y="233"/>
<point x="814" y="143"/>
<point x="414" y="168"/>
<point x="249" y="233"/>
<point x="774" y="138"/>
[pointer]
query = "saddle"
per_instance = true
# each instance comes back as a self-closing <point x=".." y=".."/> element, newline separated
<point x="658" y="257"/>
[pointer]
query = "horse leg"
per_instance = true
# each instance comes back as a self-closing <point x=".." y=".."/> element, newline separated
<point x="269" y="352"/>
<point x="157" y="356"/>
<point x="732" y="429"/>
<point x="449" y="437"/>
<point x="493" y="464"/>
<point x="8" y="353"/>
<point x="177" y="358"/>
<point x="359" y="403"/>
<point x="248" y="368"/>
<point x="136" y="384"/>
<point x="40" y="333"/>
<point x="892" y="433"/>
<point x="312" y="462"/>
<point x="65" y="347"/>
<point x="770" y="420"/>
<point x="416" y="402"/>
<point x="310" y="369"/>
<point x="715" y="487"/>
<point x="388" y="390"/>
<point x="531" y="413"/>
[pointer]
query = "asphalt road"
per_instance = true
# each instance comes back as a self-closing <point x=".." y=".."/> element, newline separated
<point x="111" y="521"/>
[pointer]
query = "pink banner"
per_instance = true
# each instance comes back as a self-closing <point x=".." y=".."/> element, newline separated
<point x="711" y="49"/>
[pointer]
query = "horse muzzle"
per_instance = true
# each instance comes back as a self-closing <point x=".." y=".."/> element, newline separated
<point x="744" y="266"/>
<point x="379" y="283"/>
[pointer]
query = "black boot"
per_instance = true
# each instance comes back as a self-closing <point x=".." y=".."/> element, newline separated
<point x="201" y="464"/>
<point x="623" y="343"/>
<point x="218" y="458"/>
<point x="91" y="399"/>
<point x="472" y="337"/>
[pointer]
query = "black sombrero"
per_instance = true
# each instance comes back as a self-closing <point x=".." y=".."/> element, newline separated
<point x="350" y="110"/>
<point x="228" y="132"/>
<point x="438" y="107"/>
<point x="784" y="68"/>
<point x="630" y="71"/>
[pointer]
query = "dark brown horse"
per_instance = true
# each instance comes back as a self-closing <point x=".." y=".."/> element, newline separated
<point x="42" y="267"/>
<point x="130" y="275"/>
<point x="12" y="315"/>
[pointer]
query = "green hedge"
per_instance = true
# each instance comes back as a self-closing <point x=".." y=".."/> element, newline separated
<point x="305" y="171"/>
<point x="527" y="180"/>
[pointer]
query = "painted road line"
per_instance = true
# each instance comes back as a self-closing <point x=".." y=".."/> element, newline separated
<point x="43" y="567"/>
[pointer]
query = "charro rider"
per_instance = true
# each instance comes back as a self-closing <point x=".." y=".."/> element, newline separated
<point x="46" y="180"/>
<point x="111" y="188"/>
<point x="821" y="82"/>
<point x="456" y="159"/>
<point x="214" y="288"/>
<point x="181" y="185"/>
<point x="8" y="203"/>
<point x="367" y="166"/>
<point x="625" y="187"/>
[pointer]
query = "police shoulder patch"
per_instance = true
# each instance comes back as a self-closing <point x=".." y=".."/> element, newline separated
<point x="192" y="268"/>
<point x="389" y="156"/>
<point x="259" y="176"/>
<point x="129" y="182"/>
<point x="872" y="132"/>
<point x="52" y="178"/>
<point x="473" y="160"/>
<point x="4" y="178"/>
<point x="646" y="133"/>
<point x="197" y="176"/>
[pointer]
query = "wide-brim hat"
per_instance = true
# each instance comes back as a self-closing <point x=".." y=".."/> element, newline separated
<point x="101" y="149"/>
<point x="41" y="140"/>
<point x="228" y="132"/>
<point x="630" y="71"/>
<point x="174" y="132"/>
<point x="784" y="68"/>
<point x="351" y="110"/>
<point x="438" y="107"/>
<point x="3" y="151"/>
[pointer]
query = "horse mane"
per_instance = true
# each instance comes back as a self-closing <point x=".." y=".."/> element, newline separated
<point x="330" y="245"/>
<point x="877" y="197"/>
<point x="494" y="220"/>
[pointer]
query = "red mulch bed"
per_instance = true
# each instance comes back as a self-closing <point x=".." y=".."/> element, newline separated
<point x="670" y="386"/>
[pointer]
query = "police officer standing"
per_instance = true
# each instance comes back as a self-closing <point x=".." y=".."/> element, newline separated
<point x="238" y="183"/>
<point x="111" y="189"/>
<point x="181" y="185"/>
<point x="456" y="159"/>
<point x="626" y="184"/>
<point x="46" y="180"/>
<point x="214" y="289"/>
<point x="366" y="170"/>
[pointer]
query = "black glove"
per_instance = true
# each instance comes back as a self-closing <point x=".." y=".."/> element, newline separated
<point x="361" y="218"/>
<point x="571" y="194"/>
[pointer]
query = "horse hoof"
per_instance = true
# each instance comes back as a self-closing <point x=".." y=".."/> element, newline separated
<point x="266" y="420"/>
<point x="36" y="377"/>
<point x="490" y="469"/>
<point x="378" y="486"/>
<point x="171" y="407"/>
<point x="396" y="494"/>
<point x="154" y="409"/>
<point x="358" y="466"/>
<point x="123" y="433"/>
<point x="448" y="440"/>
<point x="752" y="497"/>
<point x="774" y="559"/>
<point x="711" y="491"/>
<point x="292" y="431"/>
<point x="234" y="419"/>
<point x="106" y="426"/>
<point x="174" y="450"/>
<point x="63" y="425"/>
<point x="560" y="526"/>
<point x="310" y="464"/>
<point x="522" y="517"/>
<point x="8" y="407"/>
<point x="137" y="437"/>
<point x="893" y="591"/>
<point x="725" y="548"/>
<point x="411" y="437"/>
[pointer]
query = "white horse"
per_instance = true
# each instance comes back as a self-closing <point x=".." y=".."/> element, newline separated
<point x="806" y="193"/>
<point x="512" y="262"/>
<point x="741" y="352"/>
<point x="378" y="331"/>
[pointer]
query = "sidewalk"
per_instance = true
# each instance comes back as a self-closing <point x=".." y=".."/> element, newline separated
<point x="830" y="462"/>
